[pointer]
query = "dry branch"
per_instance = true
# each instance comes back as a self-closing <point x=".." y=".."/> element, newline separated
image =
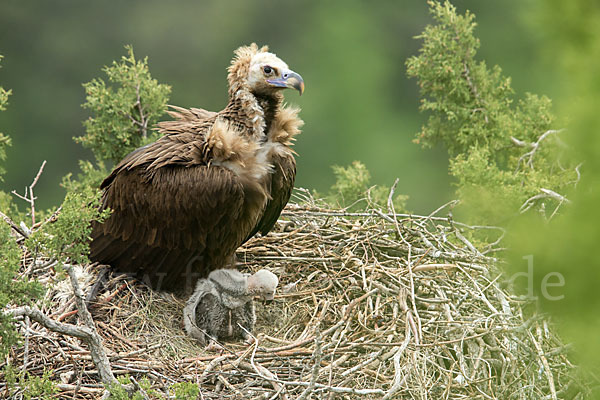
<point x="28" y="195"/>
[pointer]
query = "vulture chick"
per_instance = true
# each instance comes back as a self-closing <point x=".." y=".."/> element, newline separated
<point x="182" y="205"/>
<point x="222" y="306"/>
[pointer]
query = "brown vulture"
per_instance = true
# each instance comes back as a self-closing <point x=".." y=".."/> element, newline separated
<point x="182" y="205"/>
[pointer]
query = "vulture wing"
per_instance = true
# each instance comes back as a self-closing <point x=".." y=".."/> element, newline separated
<point x="190" y="115"/>
<point x="281" y="185"/>
<point x="175" y="216"/>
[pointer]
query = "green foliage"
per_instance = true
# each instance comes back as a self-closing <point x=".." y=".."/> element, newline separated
<point x="67" y="238"/>
<point x="502" y="152"/>
<point x="185" y="391"/>
<point x="118" y="392"/>
<point x="4" y="143"/>
<point x="91" y="176"/>
<point x="569" y="245"/>
<point x="466" y="100"/>
<point x="28" y="385"/>
<point x="13" y="290"/>
<point x="124" y="114"/>
<point x="353" y="190"/>
<point x="4" y="140"/>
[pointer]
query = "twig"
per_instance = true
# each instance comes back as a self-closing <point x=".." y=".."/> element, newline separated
<point x="546" y="193"/>
<point x="83" y="389"/>
<point x="544" y="361"/>
<point x="390" y="200"/>
<point x="51" y="218"/>
<point x="578" y="174"/>
<point x="335" y="389"/>
<point x="144" y="122"/>
<point x="139" y="389"/>
<point x="136" y="352"/>
<point x="26" y="345"/>
<point x="264" y="372"/>
<point x="229" y="386"/>
<point x="211" y="365"/>
<point x="527" y="158"/>
<point x="449" y="204"/>
<point x="317" y="356"/>
<point x="14" y="226"/>
<point x="410" y="321"/>
<point x="554" y="195"/>
<point x="31" y="198"/>
<point x="398" y="381"/>
<point x="372" y="358"/>
<point x="433" y="267"/>
<point x="93" y="339"/>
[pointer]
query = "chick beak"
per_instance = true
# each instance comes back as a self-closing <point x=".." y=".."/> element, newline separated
<point x="268" y="297"/>
<point x="289" y="79"/>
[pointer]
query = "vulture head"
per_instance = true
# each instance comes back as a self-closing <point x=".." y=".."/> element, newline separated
<point x="263" y="284"/>
<point x="260" y="72"/>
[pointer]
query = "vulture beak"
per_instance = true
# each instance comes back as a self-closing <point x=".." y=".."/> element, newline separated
<point x="289" y="79"/>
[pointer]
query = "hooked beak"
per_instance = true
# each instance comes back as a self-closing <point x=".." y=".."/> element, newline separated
<point x="289" y="79"/>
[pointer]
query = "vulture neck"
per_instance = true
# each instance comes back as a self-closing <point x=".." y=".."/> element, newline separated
<point x="255" y="111"/>
<point x="270" y="105"/>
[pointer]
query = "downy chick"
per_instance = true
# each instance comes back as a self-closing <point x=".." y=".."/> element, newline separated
<point x="221" y="306"/>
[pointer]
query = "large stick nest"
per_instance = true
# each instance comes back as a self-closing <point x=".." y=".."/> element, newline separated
<point x="370" y="305"/>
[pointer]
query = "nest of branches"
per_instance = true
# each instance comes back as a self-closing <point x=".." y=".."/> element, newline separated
<point x="370" y="305"/>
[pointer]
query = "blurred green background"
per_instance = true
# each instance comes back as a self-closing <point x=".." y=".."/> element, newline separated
<point x="358" y="104"/>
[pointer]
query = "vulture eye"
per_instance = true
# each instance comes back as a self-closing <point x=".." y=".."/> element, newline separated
<point x="267" y="70"/>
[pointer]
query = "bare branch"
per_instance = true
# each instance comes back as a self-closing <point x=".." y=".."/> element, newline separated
<point x="546" y="194"/>
<point x="527" y="158"/>
<point x="51" y="218"/>
<point x="317" y="356"/>
<point x="390" y="201"/>
<point x="556" y="196"/>
<point x="86" y="333"/>
<point x="144" y="122"/>
<point x="398" y="381"/>
<point x="544" y="361"/>
<point x="14" y="226"/>
<point x="28" y="196"/>
<point x="35" y="314"/>
<point x="94" y="340"/>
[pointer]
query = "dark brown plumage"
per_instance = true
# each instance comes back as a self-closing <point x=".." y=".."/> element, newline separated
<point x="183" y="204"/>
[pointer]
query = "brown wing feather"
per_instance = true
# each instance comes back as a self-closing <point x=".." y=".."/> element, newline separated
<point x="183" y="204"/>
<point x="175" y="216"/>
<point x="160" y="223"/>
<point x="281" y="185"/>
<point x="189" y="115"/>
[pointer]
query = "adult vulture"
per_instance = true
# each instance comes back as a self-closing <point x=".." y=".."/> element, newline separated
<point x="182" y="205"/>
